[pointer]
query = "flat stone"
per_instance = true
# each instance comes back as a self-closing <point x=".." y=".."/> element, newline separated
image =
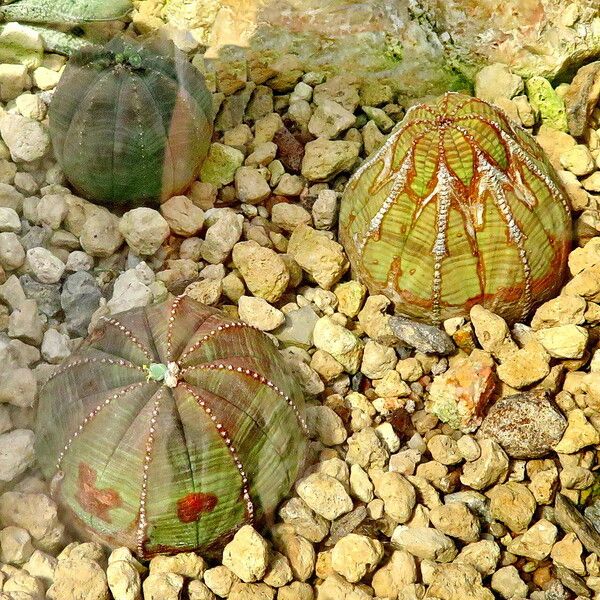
<point x="324" y="159"/>
<point x="425" y="543"/>
<point x="578" y="434"/>
<point x="526" y="425"/>
<point x="425" y="338"/>
<point x="582" y="96"/>
<point x="572" y="521"/>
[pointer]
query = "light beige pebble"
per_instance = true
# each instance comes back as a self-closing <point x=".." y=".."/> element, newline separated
<point x="326" y="425"/>
<point x="220" y="580"/>
<point x="366" y="449"/>
<point x="325" y="495"/>
<point x="27" y="140"/>
<point x="144" y="230"/>
<point x="279" y="572"/>
<point x="22" y="585"/>
<point x="391" y="385"/>
<point x="263" y="270"/>
<point x="536" y="542"/>
<point x="186" y="564"/>
<point x="199" y="591"/>
<point x="508" y="583"/>
<point x="322" y="258"/>
<point x="324" y="159"/>
<point x="325" y="209"/>
<point x="452" y="581"/>
<point x="342" y="344"/>
<point x="483" y="556"/>
<point x="182" y="215"/>
<point x="355" y="556"/>
<point x="456" y="520"/>
<point x="205" y="291"/>
<point x="579" y="433"/>
<point x="361" y="486"/>
<point x="513" y="504"/>
<point x="100" y="235"/>
<point x="388" y="436"/>
<point x="377" y="359"/>
<point x="163" y="586"/>
<point x="335" y="587"/>
<point x="298" y="550"/>
<point x="444" y="449"/>
<point x="247" y="555"/>
<point x="251" y="186"/>
<point x="564" y="341"/>
<point x="296" y="591"/>
<point x="399" y="572"/>
<point x="578" y="160"/>
<point x="491" y="466"/>
<point x="41" y="566"/>
<point x="526" y="366"/>
<point x="15" y="545"/>
<point x="350" y="295"/>
<point x="124" y="580"/>
<point x="398" y="495"/>
<point x="288" y="216"/>
<point x="71" y="576"/>
<point x="425" y="543"/>
<point x="259" y="313"/>
<point x="221" y="236"/>
<point x="330" y="119"/>
<point x="492" y="332"/>
<point x="290" y="185"/>
<point x="563" y="310"/>
<point x="305" y="521"/>
<point x="568" y="553"/>
<point x="45" y="266"/>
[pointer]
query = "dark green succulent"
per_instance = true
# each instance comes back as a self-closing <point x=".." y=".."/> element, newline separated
<point x="131" y="122"/>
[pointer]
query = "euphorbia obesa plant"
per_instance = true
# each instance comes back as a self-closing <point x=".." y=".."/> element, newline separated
<point x="459" y="207"/>
<point x="171" y="427"/>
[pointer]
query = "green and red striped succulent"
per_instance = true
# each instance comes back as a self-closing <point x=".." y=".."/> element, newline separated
<point x="459" y="207"/>
<point x="171" y="428"/>
<point x="131" y="122"/>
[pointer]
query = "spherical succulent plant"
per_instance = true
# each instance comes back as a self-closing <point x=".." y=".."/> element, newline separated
<point x="459" y="207"/>
<point x="171" y="427"/>
<point x="131" y="123"/>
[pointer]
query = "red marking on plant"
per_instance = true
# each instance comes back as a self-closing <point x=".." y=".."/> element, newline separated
<point x="190" y="507"/>
<point x="94" y="500"/>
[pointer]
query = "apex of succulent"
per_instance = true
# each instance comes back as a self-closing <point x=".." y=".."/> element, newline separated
<point x="459" y="207"/>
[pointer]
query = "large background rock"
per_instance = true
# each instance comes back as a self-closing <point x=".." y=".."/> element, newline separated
<point x="534" y="37"/>
<point x="420" y="46"/>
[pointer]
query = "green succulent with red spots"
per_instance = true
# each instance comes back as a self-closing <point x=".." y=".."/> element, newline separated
<point x="459" y="207"/>
<point x="171" y="427"/>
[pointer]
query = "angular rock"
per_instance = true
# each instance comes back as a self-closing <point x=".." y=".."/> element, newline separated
<point x="581" y="97"/>
<point x="425" y="338"/>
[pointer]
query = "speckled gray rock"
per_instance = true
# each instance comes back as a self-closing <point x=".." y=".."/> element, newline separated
<point x="526" y="425"/>
<point x="79" y="299"/>
<point x="47" y="295"/>
<point x="425" y="338"/>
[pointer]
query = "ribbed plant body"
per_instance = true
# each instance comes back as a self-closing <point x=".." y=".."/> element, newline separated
<point x="131" y="123"/>
<point x="171" y="428"/>
<point x="459" y="207"/>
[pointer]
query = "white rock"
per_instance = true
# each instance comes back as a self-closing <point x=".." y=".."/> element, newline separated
<point x="26" y="139"/>
<point x="564" y="341"/>
<point x="45" y="78"/>
<point x="45" y="266"/>
<point x="15" y="544"/>
<point x="55" y="346"/>
<point x="12" y="253"/>
<point x="221" y="236"/>
<point x="79" y="261"/>
<point x="251" y="185"/>
<point x="259" y="313"/>
<point x="129" y="292"/>
<point x="424" y="542"/>
<point x="144" y="230"/>
<point x="325" y="495"/>
<point x="124" y="580"/>
<point x="183" y="216"/>
<point x="342" y="344"/>
<point x="16" y="453"/>
<point x="9" y="220"/>
<point x="13" y="79"/>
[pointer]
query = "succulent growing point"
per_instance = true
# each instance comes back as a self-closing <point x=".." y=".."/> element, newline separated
<point x="171" y="428"/>
<point x="131" y="122"/>
<point x="459" y="207"/>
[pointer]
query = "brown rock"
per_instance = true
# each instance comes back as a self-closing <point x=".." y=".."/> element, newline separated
<point x="290" y="150"/>
<point x="582" y="97"/>
<point x="526" y="425"/>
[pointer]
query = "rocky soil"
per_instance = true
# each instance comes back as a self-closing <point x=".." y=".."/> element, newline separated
<point x="414" y="486"/>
